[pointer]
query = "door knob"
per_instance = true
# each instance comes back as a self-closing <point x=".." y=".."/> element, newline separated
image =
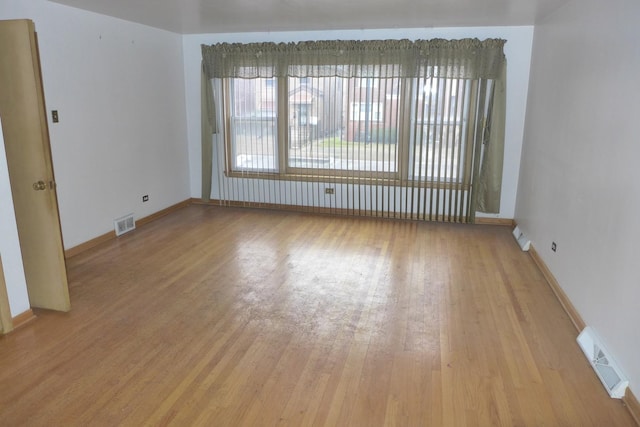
<point x="40" y="185"/>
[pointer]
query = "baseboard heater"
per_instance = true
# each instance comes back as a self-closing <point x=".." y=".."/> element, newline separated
<point x="521" y="239"/>
<point x="601" y="362"/>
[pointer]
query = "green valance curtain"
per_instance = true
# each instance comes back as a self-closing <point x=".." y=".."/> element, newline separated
<point x="467" y="58"/>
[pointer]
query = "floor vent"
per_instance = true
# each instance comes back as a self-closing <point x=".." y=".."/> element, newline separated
<point x="522" y="239"/>
<point x="603" y="364"/>
<point x="124" y="224"/>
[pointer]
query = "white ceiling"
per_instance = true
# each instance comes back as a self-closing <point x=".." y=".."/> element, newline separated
<point x="228" y="16"/>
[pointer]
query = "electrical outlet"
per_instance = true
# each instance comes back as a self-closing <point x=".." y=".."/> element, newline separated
<point x="554" y="247"/>
<point x="54" y="116"/>
<point x="145" y="198"/>
<point x="328" y="190"/>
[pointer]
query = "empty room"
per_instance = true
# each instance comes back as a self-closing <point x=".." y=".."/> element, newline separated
<point x="367" y="213"/>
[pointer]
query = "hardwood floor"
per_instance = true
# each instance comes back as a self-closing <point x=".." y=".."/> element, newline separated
<point x="236" y="317"/>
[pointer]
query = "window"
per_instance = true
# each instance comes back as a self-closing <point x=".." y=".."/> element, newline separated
<point x="400" y="126"/>
<point x="330" y="131"/>
<point x="332" y="139"/>
<point x="253" y="136"/>
<point x="439" y="123"/>
<point x="337" y="126"/>
<point x="366" y="111"/>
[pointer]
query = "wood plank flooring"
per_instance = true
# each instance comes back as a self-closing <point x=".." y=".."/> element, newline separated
<point x="236" y="317"/>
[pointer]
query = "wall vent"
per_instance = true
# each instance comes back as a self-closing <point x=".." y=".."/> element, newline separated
<point x="521" y="239"/>
<point x="124" y="224"/>
<point x="602" y="363"/>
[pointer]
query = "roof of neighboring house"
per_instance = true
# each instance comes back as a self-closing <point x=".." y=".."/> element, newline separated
<point x="307" y="94"/>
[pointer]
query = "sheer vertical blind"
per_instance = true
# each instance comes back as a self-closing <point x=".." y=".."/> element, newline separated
<point x="393" y="128"/>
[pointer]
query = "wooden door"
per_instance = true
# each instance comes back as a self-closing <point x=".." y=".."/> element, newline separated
<point x="26" y="136"/>
<point x="6" y="323"/>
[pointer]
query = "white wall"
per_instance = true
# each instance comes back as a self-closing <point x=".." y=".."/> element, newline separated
<point x="517" y="50"/>
<point x="9" y="242"/>
<point x="579" y="183"/>
<point x="119" y="90"/>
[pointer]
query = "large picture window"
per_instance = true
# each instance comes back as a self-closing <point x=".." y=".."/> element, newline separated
<point x="400" y="113"/>
<point x="336" y="125"/>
